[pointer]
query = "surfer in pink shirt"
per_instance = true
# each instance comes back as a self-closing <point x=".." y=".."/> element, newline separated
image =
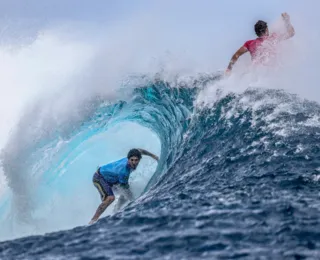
<point x="262" y="48"/>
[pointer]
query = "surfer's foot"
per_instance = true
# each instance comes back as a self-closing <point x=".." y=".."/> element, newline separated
<point x="92" y="221"/>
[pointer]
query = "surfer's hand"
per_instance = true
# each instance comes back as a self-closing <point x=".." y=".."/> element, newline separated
<point x="156" y="158"/>
<point x="285" y="17"/>
<point x="227" y="72"/>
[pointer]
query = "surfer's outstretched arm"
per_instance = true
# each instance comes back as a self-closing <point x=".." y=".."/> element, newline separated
<point x="235" y="57"/>
<point x="145" y="152"/>
<point x="290" y="30"/>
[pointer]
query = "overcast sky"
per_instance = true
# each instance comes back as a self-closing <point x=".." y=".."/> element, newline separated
<point x="104" y="10"/>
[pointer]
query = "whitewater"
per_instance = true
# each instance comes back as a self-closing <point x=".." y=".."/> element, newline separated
<point x="238" y="175"/>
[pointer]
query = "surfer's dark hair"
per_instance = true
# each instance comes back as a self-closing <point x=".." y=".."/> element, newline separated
<point x="260" y="28"/>
<point x="134" y="152"/>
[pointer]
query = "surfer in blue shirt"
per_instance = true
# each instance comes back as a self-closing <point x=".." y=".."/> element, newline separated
<point x="114" y="173"/>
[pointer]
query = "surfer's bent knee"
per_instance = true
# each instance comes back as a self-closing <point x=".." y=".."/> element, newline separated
<point x="109" y="199"/>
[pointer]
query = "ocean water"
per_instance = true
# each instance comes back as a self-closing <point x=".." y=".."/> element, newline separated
<point x="239" y="179"/>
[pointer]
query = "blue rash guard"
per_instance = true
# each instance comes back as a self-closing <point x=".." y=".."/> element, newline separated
<point x="116" y="172"/>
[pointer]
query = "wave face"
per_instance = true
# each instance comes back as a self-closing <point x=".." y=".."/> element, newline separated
<point x="237" y="179"/>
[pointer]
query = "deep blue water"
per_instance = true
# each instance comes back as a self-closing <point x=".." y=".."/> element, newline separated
<point x="238" y="180"/>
